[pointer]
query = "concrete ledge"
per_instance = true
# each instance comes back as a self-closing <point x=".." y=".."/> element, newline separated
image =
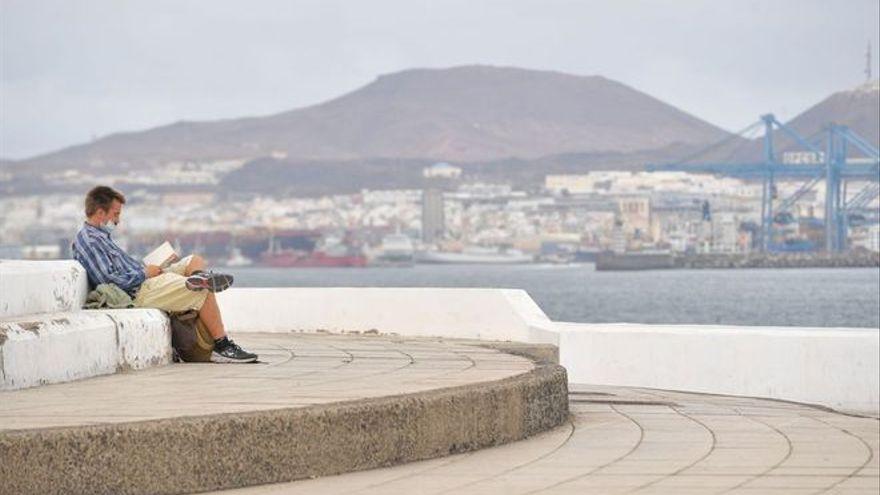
<point x="539" y="353"/>
<point x="60" y="347"/>
<point x="834" y="367"/>
<point x="31" y="287"/>
<point x="143" y="337"/>
<point x="191" y="454"/>
<point x="486" y="314"/>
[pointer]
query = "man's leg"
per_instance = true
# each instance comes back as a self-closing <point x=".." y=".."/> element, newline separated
<point x="169" y="292"/>
<point x="210" y="316"/>
<point x="225" y="350"/>
<point x="195" y="264"/>
<point x="209" y="313"/>
<point x="214" y="282"/>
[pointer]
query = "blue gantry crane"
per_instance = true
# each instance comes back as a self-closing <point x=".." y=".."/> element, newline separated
<point x="830" y="163"/>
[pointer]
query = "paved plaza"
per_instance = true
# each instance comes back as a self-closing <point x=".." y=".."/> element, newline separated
<point x="296" y="370"/>
<point x="618" y="440"/>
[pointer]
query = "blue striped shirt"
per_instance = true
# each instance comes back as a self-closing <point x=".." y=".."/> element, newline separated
<point x="105" y="262"/>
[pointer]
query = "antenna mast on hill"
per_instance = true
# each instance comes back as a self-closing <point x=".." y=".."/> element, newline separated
<point x="868" y="63"/>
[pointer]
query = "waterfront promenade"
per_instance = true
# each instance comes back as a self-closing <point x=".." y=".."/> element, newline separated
<point x="423" y="391"/>
<point x="630" y="440"/>
<point x="616" y="440"/>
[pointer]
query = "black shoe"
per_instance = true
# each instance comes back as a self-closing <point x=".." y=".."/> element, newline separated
<point x="210" y="281"/>
<point x="232" y="353"/>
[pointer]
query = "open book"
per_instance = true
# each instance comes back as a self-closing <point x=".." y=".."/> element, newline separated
<point x="163" y="256"/>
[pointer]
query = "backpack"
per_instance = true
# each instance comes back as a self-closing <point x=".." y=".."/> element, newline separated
<point x="190" y="339"/>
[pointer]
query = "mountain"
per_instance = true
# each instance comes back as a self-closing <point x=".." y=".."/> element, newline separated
<point x="858" y="108"/>
<point x="461" y="114"/>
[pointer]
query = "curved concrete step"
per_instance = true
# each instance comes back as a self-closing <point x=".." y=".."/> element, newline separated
<point x="627" y="440"/>
<point x="31" y="287"/>
<point x="319" y="405"/>
<point x="60" y="347"/>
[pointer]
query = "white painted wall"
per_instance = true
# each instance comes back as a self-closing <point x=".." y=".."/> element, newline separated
<point x="490" y="314"/>
<point x="834" y="367"/>
<point x="30" y="287"/>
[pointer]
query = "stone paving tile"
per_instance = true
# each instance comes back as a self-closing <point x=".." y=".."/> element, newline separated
<point x="298" y="370"/>
<point x="695" y="444"/>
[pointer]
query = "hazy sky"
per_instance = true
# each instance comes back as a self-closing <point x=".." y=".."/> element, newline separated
<point x="74" y="70"/>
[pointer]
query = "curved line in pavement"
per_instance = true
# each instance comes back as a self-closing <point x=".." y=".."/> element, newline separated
<point x="543" y="456"/>
<point x="412" y="360"/>
<point x="763" y="473"/>
<point x="389" y="371"/>
<point x="340" y="365"/>
<point x="856" y="470"/>
<point x="449" y="461"/>
<point x="289" y="352"/>
<point x="471" y="364"/>
<point x="692" y="464"/>
<point x="603" y="466"/>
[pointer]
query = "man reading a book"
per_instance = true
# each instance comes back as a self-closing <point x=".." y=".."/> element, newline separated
<point x="175" y="286"/>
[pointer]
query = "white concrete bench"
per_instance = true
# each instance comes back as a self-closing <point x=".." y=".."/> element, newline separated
<point x="46" y="338"/>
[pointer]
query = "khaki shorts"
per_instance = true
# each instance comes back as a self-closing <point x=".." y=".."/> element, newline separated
<point x="168" y="291"/>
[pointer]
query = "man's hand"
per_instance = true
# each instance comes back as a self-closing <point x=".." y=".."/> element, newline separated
<point x="152" y="270"/>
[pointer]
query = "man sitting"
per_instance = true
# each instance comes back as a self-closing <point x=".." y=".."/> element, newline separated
<point x="183" y="286"/>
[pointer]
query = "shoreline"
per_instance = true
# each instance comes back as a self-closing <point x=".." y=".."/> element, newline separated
<point x="661" y="261"/>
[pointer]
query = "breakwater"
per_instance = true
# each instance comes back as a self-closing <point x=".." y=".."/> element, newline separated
<point x="659" y="261"/>
<point x="859" y="259"/>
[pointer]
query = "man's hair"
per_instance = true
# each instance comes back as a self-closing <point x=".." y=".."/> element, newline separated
<point x="100" y="198"/>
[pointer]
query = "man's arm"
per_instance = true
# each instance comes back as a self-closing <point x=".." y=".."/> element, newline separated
<point x="127" y="277"/>
<point x="152" y="270"/>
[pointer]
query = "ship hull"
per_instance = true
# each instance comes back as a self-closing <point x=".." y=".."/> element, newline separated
<point x="634" y="261"/>
<point x="314" y="260"/>
<point x="438" y="258"/>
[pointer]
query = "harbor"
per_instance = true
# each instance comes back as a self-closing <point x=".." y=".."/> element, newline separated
<point x="440" y="248"/>
<point x="386" y="389"/>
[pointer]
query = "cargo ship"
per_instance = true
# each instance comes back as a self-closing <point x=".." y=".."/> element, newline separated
<point x="395" y="250"/>
<point x="635" y="260"/>
<point x="290" y="258"/>
<point x="237" y="259"/>
<point x="330" y="255"/>
<point x="474" y="256"/>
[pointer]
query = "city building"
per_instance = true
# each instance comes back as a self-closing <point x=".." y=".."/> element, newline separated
<point x="635" y="213"/>
<point x="441" y="170"/>
<point x="725" y="233"/>
<point x="573" y="184"/>
<point x="433" y="218"/>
